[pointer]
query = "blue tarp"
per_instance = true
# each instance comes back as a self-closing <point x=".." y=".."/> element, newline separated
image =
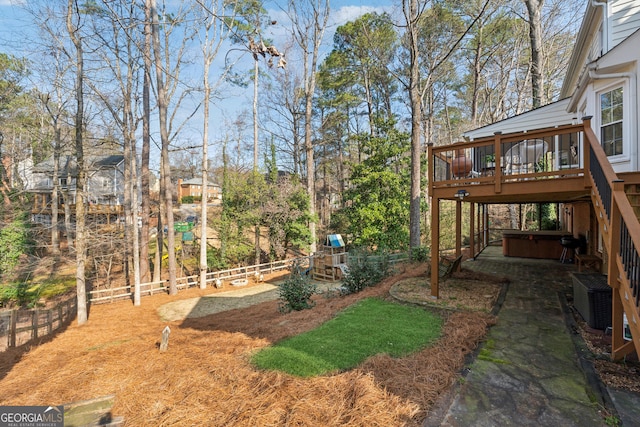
<point x="335" y="241"/>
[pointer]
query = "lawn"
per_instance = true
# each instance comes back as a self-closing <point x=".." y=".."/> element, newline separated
<point x="370" y="327"/>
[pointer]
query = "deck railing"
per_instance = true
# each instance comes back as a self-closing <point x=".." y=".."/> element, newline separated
<point x="541" y="154"/>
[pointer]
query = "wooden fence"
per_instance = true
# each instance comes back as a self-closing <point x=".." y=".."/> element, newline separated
<point x="18" y="327"/>
<point x="221" y="276"/>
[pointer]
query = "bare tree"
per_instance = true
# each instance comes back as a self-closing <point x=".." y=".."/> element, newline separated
<point x="215" y="33"/>
<point x="55" y="111"/>
<point x="534" y="10"/>
<point x="145" y="205"/>
<point x="73" y="24"/>
<point x="116" y="42"/>
<point x="170" y="39"/>
<point x="309" y="19"/>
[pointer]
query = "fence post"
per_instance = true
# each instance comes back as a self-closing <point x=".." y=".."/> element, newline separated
<point x="12" y="328"/>
<point x="34" y="323"/>
<point x="49" y="321"/>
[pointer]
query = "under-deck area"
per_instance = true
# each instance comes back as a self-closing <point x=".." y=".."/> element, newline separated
<point x="562" y="165"/>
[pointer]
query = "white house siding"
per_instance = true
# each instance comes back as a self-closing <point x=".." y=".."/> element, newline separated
<point x="554" y="114"/>
<point x="596" y="47"/>
<point x="625" y="19"/>
<point x="619" y="67"/>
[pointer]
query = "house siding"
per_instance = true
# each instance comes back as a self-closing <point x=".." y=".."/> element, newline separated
<point x="550" y="115"/>
<point x="619" y="67"/>
<point x="625" y="20"/>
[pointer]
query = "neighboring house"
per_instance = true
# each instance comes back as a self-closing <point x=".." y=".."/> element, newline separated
<point x="105" y="185"/>
<point x="581" y="153"/>
<point x="193" y="187"/>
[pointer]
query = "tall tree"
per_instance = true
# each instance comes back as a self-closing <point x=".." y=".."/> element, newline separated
<point x="359" y="62"/>
<point x="215" y="33"/>
<point x="145" y="191"/>
<point x="534" y="11"/>
<point x="309" y="19"/>
<point x="412" y="15"/>
<point x="116" y="42"/>
<point x="165" y="170"/>
<point x="167" y="62"/>
<point x="56" y="112"/>
<point x="73" y="29"/>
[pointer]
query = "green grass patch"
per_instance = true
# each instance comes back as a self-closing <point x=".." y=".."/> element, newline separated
<point x="27" y="294"/>
<point x="369" y="327"/>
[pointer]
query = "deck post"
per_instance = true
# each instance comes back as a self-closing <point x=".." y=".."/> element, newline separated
<point x="472" y="230"/>
<point x="497" y="147"/>
<point x="458" y="228"/>
<point x="435" y="246"/>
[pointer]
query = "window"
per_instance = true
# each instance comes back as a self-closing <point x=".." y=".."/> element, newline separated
<point x="611" y="121"/>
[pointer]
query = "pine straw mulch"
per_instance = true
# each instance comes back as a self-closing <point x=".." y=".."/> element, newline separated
<point x="624" y="374"/>
<point x="466" y="290"/>
<point x="205" y="377"/>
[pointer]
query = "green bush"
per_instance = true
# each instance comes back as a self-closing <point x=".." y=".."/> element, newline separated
<point x="419" y="254"/>
<point x="19" y="294"/>
<point x="14" y="241"/>
<point x="187" y="200"/>
<point x="214" y="259"/>
<point x="27" y="294"/>
<point x="296" y="292"/>
<point x="366" y="270"/>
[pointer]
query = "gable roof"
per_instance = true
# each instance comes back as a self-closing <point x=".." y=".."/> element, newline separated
<point x="67" y="163"/>
<point x="198" y="181"/>
<point x="582" y="48"/>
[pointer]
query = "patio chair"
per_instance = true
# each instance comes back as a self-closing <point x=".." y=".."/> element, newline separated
<point x="523" y="157"/>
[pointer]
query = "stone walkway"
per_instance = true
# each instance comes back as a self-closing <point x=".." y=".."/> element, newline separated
<point x="528" y="372"/>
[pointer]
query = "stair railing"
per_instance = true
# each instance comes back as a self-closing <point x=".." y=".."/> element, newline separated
<point x="621" y="236"/>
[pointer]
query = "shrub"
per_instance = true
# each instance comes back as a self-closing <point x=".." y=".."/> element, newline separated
<point x="296" y="292"/>
<point x="187" y="200"/>
<point x="14" y="241"/>
<point x="366" y="270"/>
<point x="419" y="254"/>
<point x="214" y="259"/>
<point x="19" y="294"/>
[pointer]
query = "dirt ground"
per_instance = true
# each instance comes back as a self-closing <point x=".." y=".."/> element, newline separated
<point x="205" y="377"/>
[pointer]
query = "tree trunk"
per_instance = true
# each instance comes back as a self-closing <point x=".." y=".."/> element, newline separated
<point x="256" y="75"/>
<point x="534" y="9"/>
<point x="81" y="251"/>
<point x="416" y="119"/>
<point x="55" y="193"/>
<point x="165" y="169"/>
<point x="205" y="165"/>
<point x="309" y="36"/>
<point x="145" y="207"/>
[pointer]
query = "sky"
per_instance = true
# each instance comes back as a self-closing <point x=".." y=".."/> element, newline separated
<point x="18" y="34"/>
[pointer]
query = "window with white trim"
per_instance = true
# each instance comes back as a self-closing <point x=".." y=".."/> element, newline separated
<point x="611" y="107"/>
